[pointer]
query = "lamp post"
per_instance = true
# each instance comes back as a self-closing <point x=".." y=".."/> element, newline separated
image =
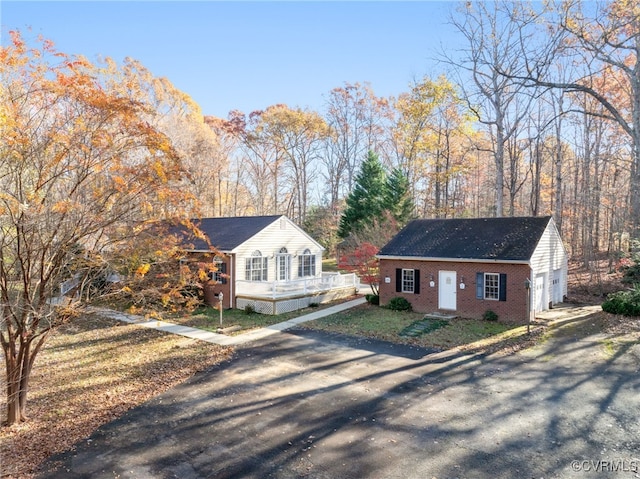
<point x="527" y="286"/>
<point x="220" y="298"/>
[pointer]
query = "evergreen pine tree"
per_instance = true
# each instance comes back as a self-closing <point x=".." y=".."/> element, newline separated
<point x="398" y="199"/>
<point x="367" y="200"/>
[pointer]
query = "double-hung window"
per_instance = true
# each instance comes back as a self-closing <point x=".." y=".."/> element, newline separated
<point x="219" y="275"/>
<point x="256" y="267"/>
<point x="491" y="286"/>
<point x="408" y="280"/>
<point x="306" y="264"/>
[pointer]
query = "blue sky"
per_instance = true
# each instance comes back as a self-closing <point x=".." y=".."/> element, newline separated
<point x="249" y="55"/>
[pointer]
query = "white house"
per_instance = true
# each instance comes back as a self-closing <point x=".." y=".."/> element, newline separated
<point x="268" y="263"/>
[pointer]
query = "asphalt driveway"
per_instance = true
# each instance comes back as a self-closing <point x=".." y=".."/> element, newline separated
<point x="317" y="405"/>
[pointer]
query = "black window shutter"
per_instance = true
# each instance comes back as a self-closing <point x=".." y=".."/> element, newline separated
<point x="398" y="280"/>
<point x="223" y="271"/>
<point x="416" y="281"/>
<point x="503" y="287"/>
<point x="480" y="285"/>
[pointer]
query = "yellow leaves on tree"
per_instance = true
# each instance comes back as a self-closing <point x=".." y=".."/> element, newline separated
<point x="431" y="134"/>
<point x="83" y="173"/>
<point x="142" y="269"/>
<point x="62" y="207"/>
<point x="160" y="172"/>
<point x="203" y="275"/>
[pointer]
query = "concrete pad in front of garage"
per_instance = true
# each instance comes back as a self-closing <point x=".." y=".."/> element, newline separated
<point x="311" y="404"/>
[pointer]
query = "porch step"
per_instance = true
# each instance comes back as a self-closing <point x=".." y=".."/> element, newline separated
<point x="439" y="315"/>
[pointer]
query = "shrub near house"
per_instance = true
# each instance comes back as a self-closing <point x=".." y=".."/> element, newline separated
<point x="626" y="303"/>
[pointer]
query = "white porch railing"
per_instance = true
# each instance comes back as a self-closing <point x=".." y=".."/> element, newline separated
<point x="69" y="284"/>
<point x="298" y="287"/>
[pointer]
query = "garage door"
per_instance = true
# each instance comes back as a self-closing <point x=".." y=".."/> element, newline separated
<point x="557" y="287"/>
<point x="539" y="293"/>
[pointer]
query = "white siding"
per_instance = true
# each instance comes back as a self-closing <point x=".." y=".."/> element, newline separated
<point x="281" y="233"/>
<point x="550" y="256"/>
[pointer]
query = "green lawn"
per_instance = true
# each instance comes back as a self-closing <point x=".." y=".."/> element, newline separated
<point x="329" y="265"/>
<point x="374" y="322"/>
<point x="208" y="318"/>
<point x="367" y="320"/>
<point x="380" y="323"/>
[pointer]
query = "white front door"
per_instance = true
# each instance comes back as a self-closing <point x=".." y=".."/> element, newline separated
<point x="447" y="290"/>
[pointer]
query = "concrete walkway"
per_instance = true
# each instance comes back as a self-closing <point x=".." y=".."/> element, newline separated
<point x="223" y="339"/>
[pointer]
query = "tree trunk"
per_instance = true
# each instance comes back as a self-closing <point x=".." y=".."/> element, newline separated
<point x="437" y="186"/>
<point x="20" y="354"/>
<point x="499" y="159"/>
<point x="634" y="80"/>
<point x="559" y="204"/>
<point x="635" y="186"/>
<point x="535" y="180"/>
<point x="447" y="169"/>
<point x="18" y="372"/>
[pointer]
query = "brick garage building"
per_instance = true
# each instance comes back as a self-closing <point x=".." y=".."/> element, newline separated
<point x="469" y="266"/>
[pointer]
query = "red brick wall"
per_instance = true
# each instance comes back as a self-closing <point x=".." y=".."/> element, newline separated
<point x="212" y="288"/>
<point x="467" y="305"/>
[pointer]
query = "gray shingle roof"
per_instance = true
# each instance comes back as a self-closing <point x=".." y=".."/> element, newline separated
<point x="228" y="233"/>
<point x="513" y="239"/>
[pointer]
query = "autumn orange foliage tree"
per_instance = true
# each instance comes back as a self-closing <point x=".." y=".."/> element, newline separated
<point x="82" y="171"/>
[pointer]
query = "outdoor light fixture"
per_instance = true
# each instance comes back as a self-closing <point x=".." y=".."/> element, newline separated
<point x="432" y="283"/>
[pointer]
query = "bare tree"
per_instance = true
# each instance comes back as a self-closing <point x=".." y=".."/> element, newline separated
<point x="493" y="47"/>
<point x="356" y="118"/>
<point x="601" y="41"/>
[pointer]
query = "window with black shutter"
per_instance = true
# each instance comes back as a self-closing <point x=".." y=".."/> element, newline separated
<point x="480" y="285"/>
<point x="407" y="281"/>
<point x="491" y="286"/>
<point x="502" y="295"/>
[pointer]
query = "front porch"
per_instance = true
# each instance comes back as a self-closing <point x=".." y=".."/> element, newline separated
<point x="277" y="297"/>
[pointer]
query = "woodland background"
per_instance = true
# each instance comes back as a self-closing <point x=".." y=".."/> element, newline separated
<point x="536" y="119"/>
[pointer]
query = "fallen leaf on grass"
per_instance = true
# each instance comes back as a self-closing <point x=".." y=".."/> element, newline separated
<point x="91" y="372"/>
